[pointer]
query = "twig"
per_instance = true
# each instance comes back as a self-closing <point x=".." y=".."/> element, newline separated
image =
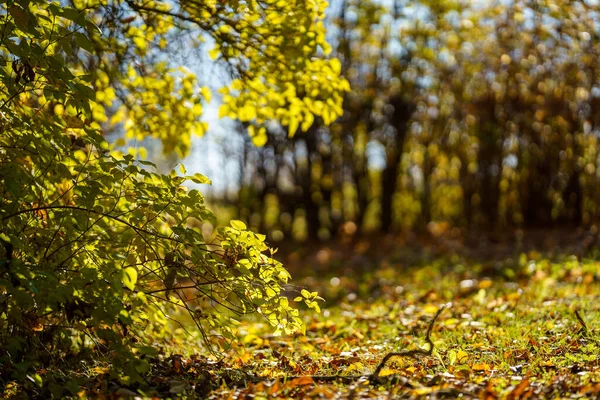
<point x="409" y="353"/>
<point x="584" y="328"/>
<point x="374" y="377"/>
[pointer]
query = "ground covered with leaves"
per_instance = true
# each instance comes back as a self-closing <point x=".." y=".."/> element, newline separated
<point x="513" y="327"/>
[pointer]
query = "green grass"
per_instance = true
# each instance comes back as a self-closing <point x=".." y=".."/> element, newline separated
<point x="510" y="329"/>
<point x="507" y="332"/>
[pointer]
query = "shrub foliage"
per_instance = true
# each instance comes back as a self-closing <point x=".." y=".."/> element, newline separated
<point x="99" y="251"/>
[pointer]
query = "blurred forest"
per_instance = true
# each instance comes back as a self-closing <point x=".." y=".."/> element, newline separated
<point x="464" y="117"/>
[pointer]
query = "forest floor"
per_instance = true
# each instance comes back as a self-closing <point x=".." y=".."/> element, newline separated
<point x="514" y="325"/>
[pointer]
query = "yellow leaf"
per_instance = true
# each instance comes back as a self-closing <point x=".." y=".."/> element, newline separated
<point x="430" y="309"/>
<point x="423" y="390"/>
<point x="485" y="284"/>
<point x="481" y="367"/>
<point x="253" y="340"/>
<point x="143" y="153"/>
<point x="462" y="356"/>
<point x="224" y="111"/>
<point x="130" y="276"/>
<point x="247" y="112"/>
<point x="206" y="93"/>
<point x="308" y="121"/>
<point x="356" y="367"/>
<point x="214" y="53"/>
<point x="387" y="372"/>
<point x="293" y="126"/>
<point x="261" y="138"/>
<point x="238" y="225"/>
<point x="336" y="65"/>
<point x="100" y="370"/>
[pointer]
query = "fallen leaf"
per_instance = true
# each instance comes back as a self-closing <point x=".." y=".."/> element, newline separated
<point x="300" y="381"/>
<point x="481" y="367"/>
<point x="519" y="390"/>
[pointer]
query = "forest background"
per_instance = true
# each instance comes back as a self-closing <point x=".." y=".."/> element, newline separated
<point x="463" y="119"/>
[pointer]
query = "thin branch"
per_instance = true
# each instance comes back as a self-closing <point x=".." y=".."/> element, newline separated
<point x="194" y="286"/>
<point x="373" y="378"/>
<point x="584" y="329"/>
<point x="410" y="353"/>
<point x="92" y="211"/>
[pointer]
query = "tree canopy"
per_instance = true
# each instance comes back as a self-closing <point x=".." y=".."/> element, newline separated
<point x="270" y="47"/>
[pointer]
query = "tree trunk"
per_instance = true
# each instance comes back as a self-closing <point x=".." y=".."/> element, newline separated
<point x="402" y="113"/>
<point x="310" y="206"/>
<point x="389" y="183"/>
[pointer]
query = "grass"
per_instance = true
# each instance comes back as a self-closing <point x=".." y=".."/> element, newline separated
<point x="521" y="326"/>
<point x="527" y="329"/>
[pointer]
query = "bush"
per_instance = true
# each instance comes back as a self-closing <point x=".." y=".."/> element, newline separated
<point x="97" y="247"/>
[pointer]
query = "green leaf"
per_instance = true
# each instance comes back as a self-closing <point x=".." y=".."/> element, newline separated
<point x="142" y="366"/>
<point x="130" y="276"/>
<point x="20" y="15"/>
<point x="74" y="15"/>
<point x="244" y="268"/>
<point x="236" y="224"/>
<point x="83" y="42"/>
<point x="35" y="378"/>
<point x="200" y="179"/>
